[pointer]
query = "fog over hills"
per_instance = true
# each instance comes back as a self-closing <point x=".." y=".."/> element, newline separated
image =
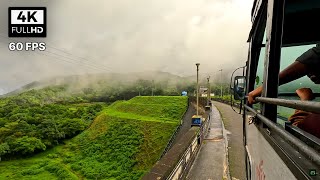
<point x="123" y="36"/>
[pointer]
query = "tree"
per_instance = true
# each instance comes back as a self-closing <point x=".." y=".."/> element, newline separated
<point x="26" y="145"/>
<point x="49" y="130"/>
<point x="190" y="88"/>
<point x="144" y="86"/>
<point x="70" y="127"/>
<point x="2" y="122"/>
<point x="4" y="149"/>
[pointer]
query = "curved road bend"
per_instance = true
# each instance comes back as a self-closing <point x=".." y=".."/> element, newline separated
<point x="233" y="124"/>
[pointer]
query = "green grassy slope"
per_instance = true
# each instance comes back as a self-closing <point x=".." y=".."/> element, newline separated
<point x="123" y="142"/>
<point x="148" y="108"/>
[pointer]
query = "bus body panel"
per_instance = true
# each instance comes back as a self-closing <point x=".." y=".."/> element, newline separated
<point x="264" y="163"/>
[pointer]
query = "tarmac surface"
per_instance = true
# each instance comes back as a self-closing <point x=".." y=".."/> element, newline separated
<point x="233" y="125"/>
<point x="221" y="155"/>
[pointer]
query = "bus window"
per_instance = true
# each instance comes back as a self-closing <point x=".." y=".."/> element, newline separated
<point x="259" y="77"/>
<point x="288" y="56"/>
<point x="260" y="68"/>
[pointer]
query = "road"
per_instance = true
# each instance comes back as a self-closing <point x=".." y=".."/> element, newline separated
<point x="210" y="162"/>
<point x="233" y="124"/>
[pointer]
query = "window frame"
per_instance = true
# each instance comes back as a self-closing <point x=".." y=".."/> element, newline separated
<point x="298" y="162"/>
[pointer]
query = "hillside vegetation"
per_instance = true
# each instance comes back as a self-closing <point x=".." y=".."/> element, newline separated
<point x="123" y="142"/>
<point x="149" y="108"/>
<point x="34" y="121"/>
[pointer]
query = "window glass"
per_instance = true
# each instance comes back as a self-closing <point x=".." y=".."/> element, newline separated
<point x="288" y="56"/>
<point x="259" y="75"/>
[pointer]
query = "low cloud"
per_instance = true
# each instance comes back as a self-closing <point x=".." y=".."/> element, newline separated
<point x="130" y="36"/>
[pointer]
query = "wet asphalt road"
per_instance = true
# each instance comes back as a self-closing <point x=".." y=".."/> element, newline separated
<point x="210" y="162"/>
<point x="233" y="124"/>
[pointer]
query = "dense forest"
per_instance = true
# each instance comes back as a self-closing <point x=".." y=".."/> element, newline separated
<point x="39" y="119"/>
<point x="123" y="142"/>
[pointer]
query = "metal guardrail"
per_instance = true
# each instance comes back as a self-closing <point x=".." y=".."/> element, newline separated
<point x="309" y="139"/>
<point x="169" y="144"/>
<point x="314" y="155"/>
<point x="296" y="104"/>
<point x="293" y="94"/>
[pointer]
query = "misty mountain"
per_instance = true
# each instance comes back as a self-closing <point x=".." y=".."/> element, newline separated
<point x="77" y="82"/>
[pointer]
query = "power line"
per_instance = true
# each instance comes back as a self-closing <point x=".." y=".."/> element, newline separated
<point x="70" y="54"/>
<point x="59" y="59"/>
<point x="72" y="59"/>
<point x="97" y="68"/>
<point x="64" y="51"/>
<point x="55" y="58"/>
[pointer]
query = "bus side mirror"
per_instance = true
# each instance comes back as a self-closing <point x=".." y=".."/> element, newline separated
<point x="239" y="85"/>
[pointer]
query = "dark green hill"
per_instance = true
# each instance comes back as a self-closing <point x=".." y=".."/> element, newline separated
<point x="119" y="144"/>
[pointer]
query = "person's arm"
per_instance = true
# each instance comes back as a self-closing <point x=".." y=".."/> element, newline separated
<point x="294" y="71"/>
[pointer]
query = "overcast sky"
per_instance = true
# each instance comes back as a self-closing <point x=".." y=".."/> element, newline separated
<point x="129" y="35"/>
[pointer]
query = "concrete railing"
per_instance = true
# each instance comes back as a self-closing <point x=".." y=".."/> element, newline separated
<point x="204" y="128"/>
<point x="184" y="164"/>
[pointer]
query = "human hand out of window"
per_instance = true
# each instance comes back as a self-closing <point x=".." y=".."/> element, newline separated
<point x="305" y="94"/>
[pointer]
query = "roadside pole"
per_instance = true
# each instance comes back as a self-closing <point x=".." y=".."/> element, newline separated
<point x="197" y="88"/>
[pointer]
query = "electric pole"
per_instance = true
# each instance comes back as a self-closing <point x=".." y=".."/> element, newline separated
<point x="197" y="88"/>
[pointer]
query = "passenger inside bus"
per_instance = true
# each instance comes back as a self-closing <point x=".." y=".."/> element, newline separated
<point x="309" y="122"/>
<point x="307" y="64"/>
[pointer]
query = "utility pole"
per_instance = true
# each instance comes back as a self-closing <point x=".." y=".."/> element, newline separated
<point x="208" y="90"/>
<point x="197" y="119"/>
<point x="221" y="82"/>
<point x="197" y="88"/>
